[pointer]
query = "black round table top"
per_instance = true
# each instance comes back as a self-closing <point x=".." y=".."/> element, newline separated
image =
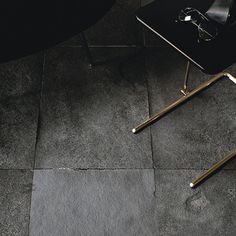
<point x="29" y="26"/>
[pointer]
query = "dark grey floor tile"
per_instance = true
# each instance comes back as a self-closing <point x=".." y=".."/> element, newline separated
<point x="118" y="27"/>
<point x="198" y="133"/>
<point x="19" y="104"/>
<point x="118" y="202"/>
<point x="87" y="115"/>
<point x="15" y="196"/>
<point x="208" y="210"/>
<point x="21" y="77"/>
<point x="18" y="124"/>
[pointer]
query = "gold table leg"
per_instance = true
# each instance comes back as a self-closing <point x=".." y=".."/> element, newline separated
<point x="181" y="100"/>
<point x="184" y="91"/>
<point x="215" y="167"/>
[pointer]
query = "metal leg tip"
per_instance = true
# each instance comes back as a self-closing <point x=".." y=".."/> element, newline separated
<point x="134" y="131"/>
<point x="191" y="185"/>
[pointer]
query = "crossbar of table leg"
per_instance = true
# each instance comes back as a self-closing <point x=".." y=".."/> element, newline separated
<point x="181" y="100"/>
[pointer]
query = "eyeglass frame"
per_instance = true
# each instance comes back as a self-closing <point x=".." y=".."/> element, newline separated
<point x="203" y="18"/>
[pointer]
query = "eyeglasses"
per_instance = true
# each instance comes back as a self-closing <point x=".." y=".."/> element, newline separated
<point x="206" y="29"/>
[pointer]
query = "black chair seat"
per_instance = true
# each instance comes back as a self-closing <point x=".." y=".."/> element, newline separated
<point x="211" y="57"/>
<point x="29" y="26"/>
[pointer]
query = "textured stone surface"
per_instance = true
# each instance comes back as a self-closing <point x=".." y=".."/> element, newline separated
<point x="19" y="103"/>
<point x="208" y="210"/>
<point x="118" y="202"/>
<point x="85" y="122"/>
<point x="87" y="115"/>
<point x="198" y="133"/>
<point x="18" y="124"/>
<point x="15" y="195"/>
<point x="125" y="202"/>
<point x="21" y="77"/>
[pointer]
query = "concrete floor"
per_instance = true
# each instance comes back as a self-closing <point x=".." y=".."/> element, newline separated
<point x="70" y="164"/>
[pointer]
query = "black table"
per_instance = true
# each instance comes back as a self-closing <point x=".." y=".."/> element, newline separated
<point x="160" y="17"/>
<point x="211" y="57"/>
<point x="28" y="26"/>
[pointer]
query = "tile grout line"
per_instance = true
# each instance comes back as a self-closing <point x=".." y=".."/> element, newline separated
<point x="30" y="202"/>
<point x="98" y="46"/>
<point x="150" y="130"/>
<point x="39" y="111"/>
<point x="36" y="139"/>
<point x="109" y="46"/>
<point x="115" y="168"/>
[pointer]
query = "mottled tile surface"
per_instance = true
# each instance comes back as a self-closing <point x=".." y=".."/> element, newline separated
<point x="198" y="133"/>
<point x="125" y="202"/>
<point x="15" y="197"/>
<point x="118" y="202"/>
<point x="84" y="121"/>
<point x="87" y="115"/>
<point x="208" y="210"/>
<point x="19" y="105"/>
<point x="21" y="77"/>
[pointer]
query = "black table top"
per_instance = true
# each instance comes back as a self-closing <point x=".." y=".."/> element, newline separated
<point x="211" y="57"/>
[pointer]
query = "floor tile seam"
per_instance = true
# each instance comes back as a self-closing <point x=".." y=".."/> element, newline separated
<point x="110" y="169"/>
<point x="39" y="111"/>
<point x="150" y="130"/>
<point x="36" y="138"/>
<point x="110" y="46"/>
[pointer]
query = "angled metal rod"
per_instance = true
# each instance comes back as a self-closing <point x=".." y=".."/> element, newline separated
<point x="183" y="99"/>
<point x="214" y="168"/>
<point x="184" y="91"/>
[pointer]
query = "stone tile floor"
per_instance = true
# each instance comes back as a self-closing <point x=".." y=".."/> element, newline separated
<point x="69" y="164"/>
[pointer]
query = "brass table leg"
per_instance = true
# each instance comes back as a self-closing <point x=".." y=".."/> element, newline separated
<point x="187" y="96"/>
<point x="183" y="99"/>
<point x="215" y="167"/>
<point x="184" y="91"/>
